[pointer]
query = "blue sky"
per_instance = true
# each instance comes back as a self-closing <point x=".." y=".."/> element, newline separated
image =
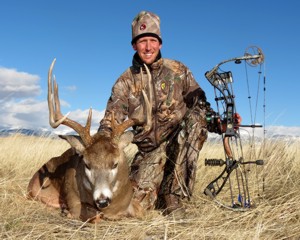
<point x="91" y="41"/>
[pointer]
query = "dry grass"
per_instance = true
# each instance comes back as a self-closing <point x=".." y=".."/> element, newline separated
<point x="277" y="215"/>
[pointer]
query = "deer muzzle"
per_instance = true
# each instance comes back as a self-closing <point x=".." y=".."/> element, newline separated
<point x="102" y="203"/>
<point x="102" y="196"/>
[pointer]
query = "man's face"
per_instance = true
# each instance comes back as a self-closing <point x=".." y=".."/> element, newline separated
<point x="147" y="48"/>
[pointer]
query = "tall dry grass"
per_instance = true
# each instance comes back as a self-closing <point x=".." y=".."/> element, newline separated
<point x="276" y="216"/>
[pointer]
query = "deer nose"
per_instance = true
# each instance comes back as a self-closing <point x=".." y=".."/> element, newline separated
<point x="102" y="203"/>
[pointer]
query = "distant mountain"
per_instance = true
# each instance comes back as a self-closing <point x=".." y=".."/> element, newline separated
<point x="283" y="137"/>
<point x="4" y="132"/>
<point x="212" y="137"/>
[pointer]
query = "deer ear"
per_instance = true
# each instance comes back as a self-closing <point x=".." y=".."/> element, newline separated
<point x="75" y="142"/>
<point x="125" y="139"/>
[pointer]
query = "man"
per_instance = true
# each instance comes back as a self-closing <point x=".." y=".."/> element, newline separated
<point x="164" y="169"/>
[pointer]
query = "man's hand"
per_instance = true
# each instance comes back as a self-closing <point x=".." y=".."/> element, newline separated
<point x="237" y="119"/>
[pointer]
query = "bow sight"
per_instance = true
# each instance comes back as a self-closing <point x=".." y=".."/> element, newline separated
<point x="234" y="159"/>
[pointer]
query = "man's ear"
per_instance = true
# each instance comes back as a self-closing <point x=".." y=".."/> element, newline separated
<point x="134" y="46"/>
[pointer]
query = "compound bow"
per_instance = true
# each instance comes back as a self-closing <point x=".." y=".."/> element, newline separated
<point x="234" y="161"/>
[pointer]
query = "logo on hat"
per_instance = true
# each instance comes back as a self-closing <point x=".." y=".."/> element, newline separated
<point x="143" y="27"/>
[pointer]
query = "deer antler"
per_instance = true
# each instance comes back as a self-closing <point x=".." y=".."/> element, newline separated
<point x="139" y="114"/>
<point x="118" y="129"/>
<point x="137" y="117"/>
<point x="148" y="103"/>
<point x="56" y="117"/>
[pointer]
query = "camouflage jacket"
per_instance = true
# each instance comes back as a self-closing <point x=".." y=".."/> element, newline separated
<point x="175" y="91"/>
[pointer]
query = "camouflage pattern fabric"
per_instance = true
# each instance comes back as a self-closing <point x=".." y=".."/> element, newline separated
<point x="170" y="168"/>
<point x="167" y="158"/>
<point x="146" y="23"/>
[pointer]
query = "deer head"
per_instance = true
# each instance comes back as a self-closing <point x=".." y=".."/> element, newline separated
<point x="103" y="171"/>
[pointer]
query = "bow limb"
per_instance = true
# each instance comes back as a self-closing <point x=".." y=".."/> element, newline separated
<point x="237" y="186"/>
<point x="227" y="148"/>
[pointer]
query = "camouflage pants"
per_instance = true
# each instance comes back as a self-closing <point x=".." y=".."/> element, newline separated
<point x="170" y="168"/>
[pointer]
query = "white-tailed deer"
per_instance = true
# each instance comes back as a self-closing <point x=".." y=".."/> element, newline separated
<point x="91" y="179"/>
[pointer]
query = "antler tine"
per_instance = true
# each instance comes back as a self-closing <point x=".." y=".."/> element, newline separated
<point x="52" y="111"/>
<point x="148" y="101"/>
<point x="56" y="117"/>
<point x="89" y="120"/>
<point x="139" y="115"/>
<point x="118" y="129"/>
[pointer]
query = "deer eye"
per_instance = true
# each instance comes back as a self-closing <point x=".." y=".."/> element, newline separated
<point x="115" y="165"/>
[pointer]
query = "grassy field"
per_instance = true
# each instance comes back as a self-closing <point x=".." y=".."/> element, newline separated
<point x="276" y="215"/>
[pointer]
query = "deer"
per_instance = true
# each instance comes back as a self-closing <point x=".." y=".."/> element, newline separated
<point x="90" y="181"/>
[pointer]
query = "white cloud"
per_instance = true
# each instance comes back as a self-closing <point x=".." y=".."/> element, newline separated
<point x="20" y="109"/>
<point x="284" y="130"/>
<point x="80" y="116"/>
<point x="25" y="113"/>
<point x="14" y="84"/>
<point x="33" y="114"/>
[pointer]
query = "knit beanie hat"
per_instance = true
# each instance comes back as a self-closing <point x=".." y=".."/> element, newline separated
<point x="145" y="24"/>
